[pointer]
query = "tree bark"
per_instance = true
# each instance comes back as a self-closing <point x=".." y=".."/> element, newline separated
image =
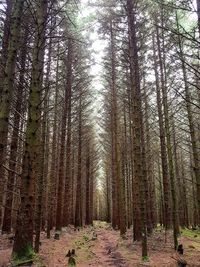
<point x="79" y="186"/>
<point x="193" y="135"/>
<point x="7" y="220"/>
<point x="8" y="88"/>
<point x="53" y="168"/>
<point x="60" y="208"/>
<point x="168" y="135"/>
<point x="68" y="178"/>
<point x="165" y="173"/>
<point x="24" y="229"/>
<point x="139" y="151"/>
<point x="5" y="42"/>
<point x="116" y="143"/>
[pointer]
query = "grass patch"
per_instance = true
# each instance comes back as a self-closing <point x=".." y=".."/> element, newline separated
<point x="27" y="255"/>
<point x="71" y="262"/>
<point x="190" y="233"/>
<point x="82" y="245"/>
<point x="85" y="238"/>
<point x="100" y="224"/>
<point x="145" y="258"/>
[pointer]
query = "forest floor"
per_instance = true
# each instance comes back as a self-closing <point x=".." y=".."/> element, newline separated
<point x="108" y="249"/>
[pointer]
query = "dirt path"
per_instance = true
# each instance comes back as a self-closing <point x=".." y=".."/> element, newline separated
<point x="105" y="250"/>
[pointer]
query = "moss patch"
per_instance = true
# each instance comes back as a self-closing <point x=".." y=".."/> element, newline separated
<point x="190" y="233"/>
<point x="82" y="245"/>
<point x="27" y="255"/>
<point x="145" y="259"/>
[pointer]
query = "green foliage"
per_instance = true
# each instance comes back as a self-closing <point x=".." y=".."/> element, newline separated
<point x="145" y="258"/>
<point x="71" y="262"/>
<point x="26" y="255"/>
<point x="85" y="238"/>
<point x="190" y="233"/>
<point x="81" y="242"/>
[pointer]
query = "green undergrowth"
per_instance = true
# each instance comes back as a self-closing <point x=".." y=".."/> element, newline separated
<point x="82" y="245"/>
<point x="38" y="261"/>
<point x="27" y="255"/>
<point x="71" y="262"/>
<point x="82" y="241"/>
<point x="100" y="224"/>
<point x="145" y="258"/>
<point x="191" y="233"/>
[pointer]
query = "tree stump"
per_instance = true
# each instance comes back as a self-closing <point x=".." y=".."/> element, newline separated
<point x="94" y="236"/>
<point x="57" y="236"/>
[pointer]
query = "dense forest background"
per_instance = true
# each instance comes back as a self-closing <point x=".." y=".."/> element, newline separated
<point x="99" y="117"/>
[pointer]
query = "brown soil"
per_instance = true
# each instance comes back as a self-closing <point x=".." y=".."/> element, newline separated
<point x="108" y="250"/>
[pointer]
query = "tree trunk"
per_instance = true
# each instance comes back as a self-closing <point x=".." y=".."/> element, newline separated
<point x="24" y="229"/>
<point x="41" y="179"/>
<point x="68" y="182"/>
<point x="193" y="136"/>
<point x="88" y="181"/>
<point x="198" y="14"/>
<point x="116" y="143"/>
<point x="79" y="186"/>
<point x="168" y="136"/>
<point x="166" y="195"/>
<point x="7" y="220"/>
<point x="139" y="151"/>
<point x="5" y="42"/>
<point x="60" y="208"/>
<point x="53" y="170"/>
<point x="151" y="197"/>
<point x="8" y="88"/>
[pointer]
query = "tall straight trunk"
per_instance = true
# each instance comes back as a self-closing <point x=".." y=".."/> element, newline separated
<point x="135" y="179"/>
<point x="8" y="87"/>
<point x="91" y="185"/>
<point x="165" y="173"/>
<point x="108" y="198"/>
<point x="114" y="195"/>
<point x="126" y="169"/>
<point x="115" y="218"/>
<point x="198" y="15"/>
<point x="139" y="151"/>
<point x="53" y="169"/>
<point x="79" y="185"/>
<point x="24" y="228"/>
<point x="61" y="169"/>
<point x="68" y="182"/>
<point x="131" y="173"/>
<point x="5" y="41"/>
<point x="7" y="219"/>
<point x="161" y="202"/>
<point x="41" y="179"/>
<point x="46" y="131"/>
<point x="116" y="143"/>
<point x="61" y="176"/>
<point x="73" y="185"/>
<point x="194" y="215"/>
<point x="151" y="197"/>
<point x="168" y="135"/>
<point x="88" y="181"/>
<point x="177" y="175"/>
<point x="184" y="197"/>
<point x="192" y="127"/>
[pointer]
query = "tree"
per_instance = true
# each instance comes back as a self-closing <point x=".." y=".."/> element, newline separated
<point x="24" y="228"/>
<point x="138" y="145"/>
<point x="8" y="85"/>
